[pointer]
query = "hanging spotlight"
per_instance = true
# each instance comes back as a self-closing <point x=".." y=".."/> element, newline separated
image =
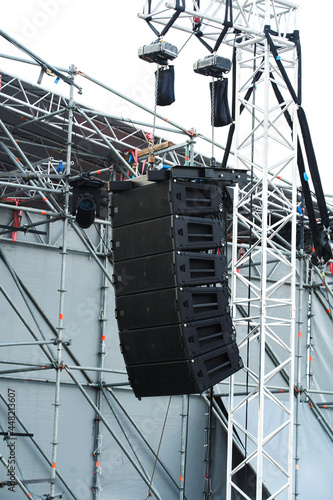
<point x="212" y="65"/>
<point x="158" y="52"/>
<point x="86" y="200"/>
<point x="85" y="214"/>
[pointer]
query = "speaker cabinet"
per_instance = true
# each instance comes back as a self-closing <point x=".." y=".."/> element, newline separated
<point x="176" y="342"/>
<point x="151" y="200"/>
<point x="173" y="305"/>
<point x="171" y="289"/>
<point x="186" y="376"/>
<point x="165" y="270"/>
<point x="174" y="232"/>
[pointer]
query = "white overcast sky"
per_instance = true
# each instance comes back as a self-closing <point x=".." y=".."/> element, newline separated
<point x="101" y="38"/>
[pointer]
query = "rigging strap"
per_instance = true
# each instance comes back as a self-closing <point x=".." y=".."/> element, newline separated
<point x="313" y="166"/>
<point x="227" y="23"/>
<point x="321" y="239"/>
<point x="296" y="98"/>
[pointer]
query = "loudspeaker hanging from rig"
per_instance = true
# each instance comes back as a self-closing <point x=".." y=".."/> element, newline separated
<point x="170" y="280"/>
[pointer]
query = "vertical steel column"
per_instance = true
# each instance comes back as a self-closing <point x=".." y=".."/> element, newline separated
<point x="293" y="315"/>
<point x="187" y="155"/>
<point x="98" y="434"/>
<point x="191" y="144"/>
<point x="298" y="368"/>
<point x="209" y="428"/>
<point x="309" y="344"/>
<point x="231" y="401"/>
<point x="103" y="320"/>
<point x="183" y="446"/>
<point x="62" y="289"/>
<point x="263" y="281"/>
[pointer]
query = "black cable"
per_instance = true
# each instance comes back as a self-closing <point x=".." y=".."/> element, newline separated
<point x="220" y="37"/>
<point x="320" y="245"/>
<point x="233" y="113"/>
<point x="300" y="164"/>
<point x="199" y="36"/>
<point x="227" y="23"/>
<point x="228" y="12"/>
<point x="283" y="72"/>
<point x="313" y="166"/>
<point x="321" y="241"/>
<point x="172" y="20"/>
<point x="295" y="38"/>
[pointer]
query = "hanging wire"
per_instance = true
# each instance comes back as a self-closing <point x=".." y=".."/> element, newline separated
<point x="186" y="42"/>
<point x="158" y="450"/>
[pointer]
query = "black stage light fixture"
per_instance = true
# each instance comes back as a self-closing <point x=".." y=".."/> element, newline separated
<point x="212" y="65"/>
<point x="158" y="52"/>
<point x="85" y="214"/>
<point x="86" y="200"/>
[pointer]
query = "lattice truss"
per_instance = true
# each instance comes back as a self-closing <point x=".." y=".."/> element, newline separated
<point x="34" y="143"/>
<point x="265" y="317"/>
<point x="264" y="228"/>
<point x="248" y="16"/>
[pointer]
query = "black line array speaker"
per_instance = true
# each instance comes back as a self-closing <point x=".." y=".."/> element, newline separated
<point x="170" y="281"/>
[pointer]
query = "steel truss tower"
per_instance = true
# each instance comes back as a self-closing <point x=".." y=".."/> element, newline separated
<point x="47" y="141"/>
<point x="266" y="146"/>
<point x="264" y="224"/>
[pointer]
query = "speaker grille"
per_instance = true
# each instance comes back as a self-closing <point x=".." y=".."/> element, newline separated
<point x="158" y="199"/>
<point x="175" y="342"/>
<point x="166" y="234"/>
<point x="183" y="377"/>
<point x="167" y="270"/>
<point x="170" y="280"/>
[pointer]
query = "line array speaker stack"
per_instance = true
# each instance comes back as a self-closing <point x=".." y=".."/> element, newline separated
<point x="170" y="281"/>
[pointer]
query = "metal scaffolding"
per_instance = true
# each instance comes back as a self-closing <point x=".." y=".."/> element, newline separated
<point x="48" y="141"/>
